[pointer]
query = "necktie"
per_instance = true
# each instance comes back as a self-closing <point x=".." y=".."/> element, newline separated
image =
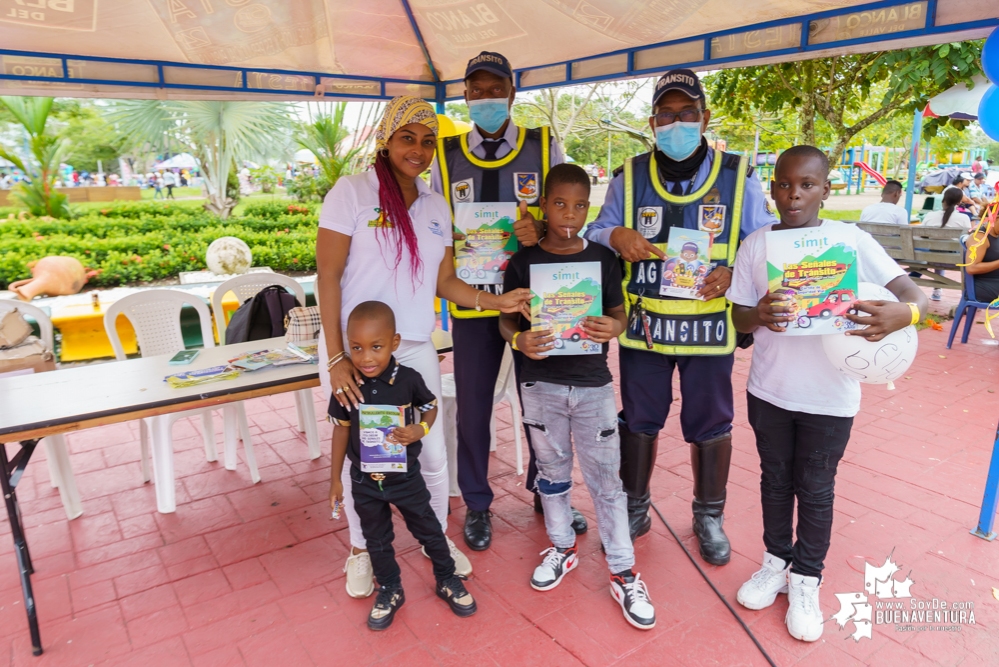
<point x="673" y="216"/>
<point x="490" y="177"/>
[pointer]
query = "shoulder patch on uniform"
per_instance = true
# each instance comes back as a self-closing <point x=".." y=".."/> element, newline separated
<point x="730" y="160"/>
<point x="451" y="143"/>
<point x="749" y="171"/>
<point x="534" y="133"/>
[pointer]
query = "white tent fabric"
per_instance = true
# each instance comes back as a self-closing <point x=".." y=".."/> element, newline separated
<point x="960" y="102"/>
<point x="181" y="161"/>
<point x="285" y="49"/>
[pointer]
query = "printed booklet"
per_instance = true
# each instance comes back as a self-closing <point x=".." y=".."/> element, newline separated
<point x="376" y="423"/>
<point x="481" y="258"/>
<point x="817" y="266"/>
<point x="688" y="261"/>
<point x="562" y="295"/>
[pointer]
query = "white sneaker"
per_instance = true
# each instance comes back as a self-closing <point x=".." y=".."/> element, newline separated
<point x="556" y="564"/>
<point x="360" y="578"/>
<point x="462" y="566"/>
<point x="804" y="616"/>
<point x="937" y="294"/>
<point x="633" y="596"/>
<point x="762" y="588"/>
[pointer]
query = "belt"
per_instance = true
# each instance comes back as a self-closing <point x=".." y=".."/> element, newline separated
<point x="377" y="476"/>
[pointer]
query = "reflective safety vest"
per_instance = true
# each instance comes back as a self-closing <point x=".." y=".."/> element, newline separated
<point x="522" y="174"/>
<point x="665" y="324"/>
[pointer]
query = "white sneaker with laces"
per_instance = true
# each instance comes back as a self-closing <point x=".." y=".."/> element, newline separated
<point x="937" y="294"/>
<point x="556" y="564"/>
<point x="462" y="566"/>
<point x="804" y="616"/>
<point x="762" y="588"/>
<point x="360" y="578"/>
<point x="633" y="596"/>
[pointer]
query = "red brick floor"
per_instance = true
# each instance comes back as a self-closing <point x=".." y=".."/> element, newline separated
<point x="249" y="574"/>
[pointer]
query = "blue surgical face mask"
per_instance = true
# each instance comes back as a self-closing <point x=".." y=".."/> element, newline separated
<point x="678" y="140"/>
<point x="489" y="114"/>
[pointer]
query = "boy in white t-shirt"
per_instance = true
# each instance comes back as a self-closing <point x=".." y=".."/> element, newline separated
<point x="801" y="408"/>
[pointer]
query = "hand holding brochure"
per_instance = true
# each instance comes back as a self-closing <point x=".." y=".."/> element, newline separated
<point x="376" y="424"/>
<point x="562" y="296"/>
<point x="688" y="262"/>
<point x="481" y="258"/>
<point x="817" y="268"/>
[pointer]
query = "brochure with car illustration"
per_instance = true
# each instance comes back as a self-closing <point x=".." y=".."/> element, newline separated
<point x="817" y="267"/>
<point x="376" y="423"/>
<point x="562" y="295"/>
<point x="481" y="258"/>
<point x="687" y="263"/>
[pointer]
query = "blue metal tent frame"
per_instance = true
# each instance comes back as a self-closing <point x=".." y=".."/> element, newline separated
<point x="701" y="44"/>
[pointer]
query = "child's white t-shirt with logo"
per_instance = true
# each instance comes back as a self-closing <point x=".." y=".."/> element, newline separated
<point x="351" y="208"/>
<point x="792" y="372"/>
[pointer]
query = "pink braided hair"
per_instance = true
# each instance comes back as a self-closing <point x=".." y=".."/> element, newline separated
<point x="394" y="211"/>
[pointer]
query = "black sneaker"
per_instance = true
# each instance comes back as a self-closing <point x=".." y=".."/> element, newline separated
<point x="633" y="596"/>
<point x="453" y="592"/>
<point x="388" y="601"/>
<point x="556" y="564"/>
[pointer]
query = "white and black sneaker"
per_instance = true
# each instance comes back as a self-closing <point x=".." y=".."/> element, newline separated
<point x="633" y="596"/>
<point x="556" y="564"/>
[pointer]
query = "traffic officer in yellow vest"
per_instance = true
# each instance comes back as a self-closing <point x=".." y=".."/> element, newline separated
<point x="495" y="162"/>
<point x="682" y="183"/>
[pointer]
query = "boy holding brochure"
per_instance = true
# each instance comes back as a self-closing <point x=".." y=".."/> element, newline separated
<point x="381" y="437"/>
<point x="566" y="386"/>
<point x="801" y="407"/>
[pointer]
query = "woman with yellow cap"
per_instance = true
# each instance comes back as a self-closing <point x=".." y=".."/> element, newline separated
<point x="384" y="235"/>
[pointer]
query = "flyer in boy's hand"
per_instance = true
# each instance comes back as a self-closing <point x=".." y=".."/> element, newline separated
<point x="817" y="268"/>
<point x="562" y="295"/>
<point x="687" y="263"/>
<point x="376" y="424"/>
<point x="481" y="257"/>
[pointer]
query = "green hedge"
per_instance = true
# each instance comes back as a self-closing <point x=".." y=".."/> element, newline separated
<point x="137" y="242"/>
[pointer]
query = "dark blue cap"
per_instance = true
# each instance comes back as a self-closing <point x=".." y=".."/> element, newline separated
<point x="683" y="80"/>
<point x="495" y="63"/>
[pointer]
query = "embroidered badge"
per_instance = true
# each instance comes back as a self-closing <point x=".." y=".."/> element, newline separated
<point x="713" y="196"/>
<point x="525" y="185"/>
<point x="650" y="221"/>
<point x="435" y="228"/>
<point x="463" y="192"/>
<point x="379" y="220"/>
<point x="711" y="218"/>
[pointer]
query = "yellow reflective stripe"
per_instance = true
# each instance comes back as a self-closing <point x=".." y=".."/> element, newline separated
<point x="445" y="178"/>
<point x="629" y="195"/>
<point x="719" y="251"/>
<point x="681" y="306"/>
<point x="693" y="196"/>
<point x="736" y="228"/>
<point x="546" y="144"/>
<point x="469" y="313"/>
<point x="494" y="164"/>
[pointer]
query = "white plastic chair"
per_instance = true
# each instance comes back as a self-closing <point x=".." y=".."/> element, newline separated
<point x="155" y="316"/>
<point x="60" y="470"/>
<point x="246" y="287"/>
<point x="506" y="390"/>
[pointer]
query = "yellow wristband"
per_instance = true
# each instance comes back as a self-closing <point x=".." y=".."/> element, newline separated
<point x="513" y="341"/>
<point x="915" y="312"/>
<point x="426" y="429"/>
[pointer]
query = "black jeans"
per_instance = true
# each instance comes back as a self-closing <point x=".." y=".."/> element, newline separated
<point x="408" y="492"/>
<point x="799" y="454"/>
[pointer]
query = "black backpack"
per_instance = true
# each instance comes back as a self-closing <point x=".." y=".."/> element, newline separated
<point x="261" y="316"/>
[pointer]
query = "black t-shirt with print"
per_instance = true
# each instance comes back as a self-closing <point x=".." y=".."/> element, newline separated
<point x="397" y="385"/>
<point x="577" y="370"/>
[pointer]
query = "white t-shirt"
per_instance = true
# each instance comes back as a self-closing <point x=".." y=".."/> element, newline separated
<point x="792" y="372"/>
<point x="351" y="208"/>
<point x="957" y="220"/>
<point x="886" y="213"/>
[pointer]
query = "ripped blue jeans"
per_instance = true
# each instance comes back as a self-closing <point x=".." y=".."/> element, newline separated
<point x="559" y="415"/>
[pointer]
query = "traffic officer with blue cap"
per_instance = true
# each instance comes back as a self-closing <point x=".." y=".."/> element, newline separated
<point x="682" y="183"/>
<point x="496" y="162"/>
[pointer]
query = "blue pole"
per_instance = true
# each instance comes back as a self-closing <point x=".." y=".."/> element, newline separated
<point x="910" y="187"/>
<point x="986" y="520"/>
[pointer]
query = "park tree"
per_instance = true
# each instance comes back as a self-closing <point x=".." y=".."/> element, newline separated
<point x="833" y="91"/>
<point x="46" y="150"/>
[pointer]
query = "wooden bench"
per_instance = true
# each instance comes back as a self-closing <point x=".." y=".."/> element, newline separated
<point x="921" y="249"/>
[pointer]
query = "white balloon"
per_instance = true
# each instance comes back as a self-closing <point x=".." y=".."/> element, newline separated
<point x="228" y="255"/>
<point x="873" y="363"/>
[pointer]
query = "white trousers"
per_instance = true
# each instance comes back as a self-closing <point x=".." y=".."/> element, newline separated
<point x="421" y="357"/>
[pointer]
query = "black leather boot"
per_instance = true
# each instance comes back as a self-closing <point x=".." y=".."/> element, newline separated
<point x="709" y="462"/>
<point x="638" y="458"/>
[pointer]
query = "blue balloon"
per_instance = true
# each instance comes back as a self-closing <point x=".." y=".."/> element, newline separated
<point x="988" y="112"/>
<point x="990" y="57"/>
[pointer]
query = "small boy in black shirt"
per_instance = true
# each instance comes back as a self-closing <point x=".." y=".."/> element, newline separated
<point x="570" y="399"/>
<point x="372" y="338"/>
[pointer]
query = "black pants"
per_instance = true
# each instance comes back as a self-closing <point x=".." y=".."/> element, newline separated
<point x="705" y="385"/>
<point x="799" y="454"/>
<point x="408" y="492"/>
<point x="478" y="353"/>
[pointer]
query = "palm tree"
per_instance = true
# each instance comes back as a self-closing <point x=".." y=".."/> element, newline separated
<point x="219" y="134"/>
<point x="41" y="167"/>
<point x="326" y="137"/>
